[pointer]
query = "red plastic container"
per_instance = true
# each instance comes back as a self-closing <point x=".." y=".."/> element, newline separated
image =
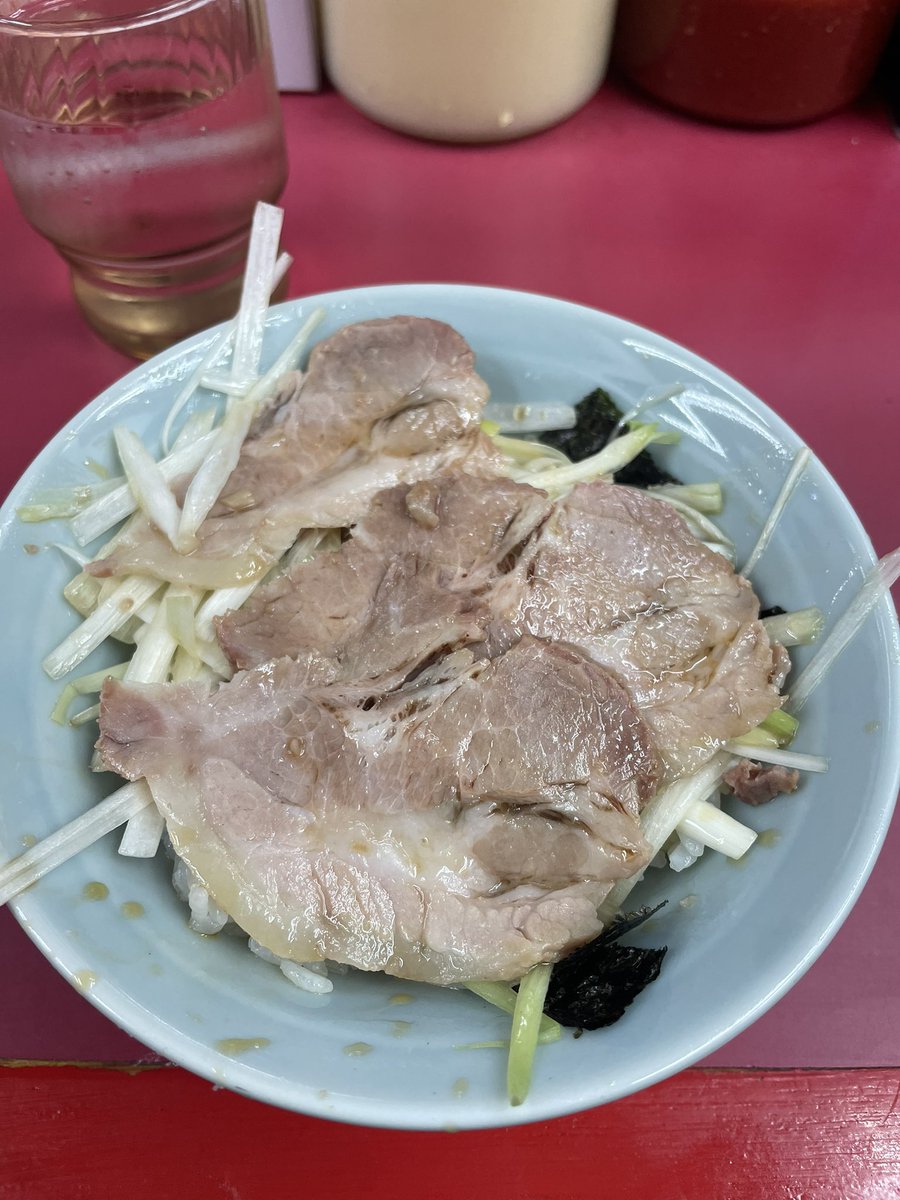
<point x="753" y="62"/>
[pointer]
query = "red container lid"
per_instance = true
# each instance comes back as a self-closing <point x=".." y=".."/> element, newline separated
<point x="753" y="62"/>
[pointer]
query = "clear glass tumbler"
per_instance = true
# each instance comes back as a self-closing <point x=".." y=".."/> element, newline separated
<point x="138" y="142"/>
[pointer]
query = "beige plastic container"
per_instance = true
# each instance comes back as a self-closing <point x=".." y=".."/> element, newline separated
<point x="467" y="70"/>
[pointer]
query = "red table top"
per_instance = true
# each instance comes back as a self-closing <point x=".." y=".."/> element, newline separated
<point x="775" y="255"/>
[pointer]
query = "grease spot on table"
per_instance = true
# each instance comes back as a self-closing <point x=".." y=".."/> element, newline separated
<point x="94" y="891"/>
<point x="460" y="1087"/>
<point x="769" y="838"/>
<point x="401" y="998"/>
<point x="400" y="1028"/>
<point x="132" y="909"/>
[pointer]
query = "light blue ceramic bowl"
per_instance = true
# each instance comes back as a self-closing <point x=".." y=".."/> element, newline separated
<point x="732" y="952"/>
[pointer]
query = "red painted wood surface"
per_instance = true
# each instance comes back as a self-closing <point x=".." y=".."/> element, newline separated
<point x="775" y="255"/>
<point x="68" y="1133"/>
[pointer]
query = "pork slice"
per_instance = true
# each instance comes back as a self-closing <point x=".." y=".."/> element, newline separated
<point x="383" y="402"/>
<point x="619" y="574"/>
<point x="464" y="827"/>
<point x="413" y="578"/>
<point x="758" y="783"/>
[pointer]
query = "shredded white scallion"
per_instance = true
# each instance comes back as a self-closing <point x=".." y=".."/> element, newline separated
<point x="705" y="823"/>
<point x="259" y="271"/>
<point x="793" y="477"/>
<point x="526" y="1023"/>
<point x="703" y="529"/>
<point x="71" y="839"/>
<point x="530" y="418"/>
<point x="150" y="661"/>
<point x="203" y="375"/>
<point x="147" y="482"/>
<point x="798" y="628"/>
<point x="664" y="813"/>
<point x="610" y="459"/>
<point x="84" y="686"/>
<point x="142" y="834"/>
<point x="195" y="426"/>
<point x="780" y="758"/>
<point x="218" y="348"/>
<point x="106" y="618"/>
<point x="700" y="497"/>
<point x="287" y="360"/>
<point x="58" y="503"/>
<point x="180" y="605"/>
<point x="85" y="716"/>
<point x="877" y="583"/>
<point x="98" y="518"/>
<point x="212" y="474"/>
<point x="650" y="399"/>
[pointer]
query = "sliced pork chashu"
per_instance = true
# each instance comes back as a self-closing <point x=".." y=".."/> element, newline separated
<point x="618" y="573"/>
<point x="609" y="568"/>
<point x="382" y="402"/>
<point x="464" y="827"/>
<point x="414" y="578"/>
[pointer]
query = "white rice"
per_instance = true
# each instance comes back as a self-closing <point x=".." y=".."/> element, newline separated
<point x="309" y="977"/>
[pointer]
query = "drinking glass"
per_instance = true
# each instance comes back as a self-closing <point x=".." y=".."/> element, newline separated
<point x="137" y="140"/>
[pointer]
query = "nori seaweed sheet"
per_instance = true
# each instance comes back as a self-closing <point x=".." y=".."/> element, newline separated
<point x="596" y="417"/>
<point x="594" y="985"/>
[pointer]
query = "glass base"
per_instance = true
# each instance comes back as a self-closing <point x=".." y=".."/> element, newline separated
<point x="143" y="306"/>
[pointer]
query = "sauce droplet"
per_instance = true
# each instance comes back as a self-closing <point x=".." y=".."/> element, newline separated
<point x="28" y="840"/>
<point x="688" y="901"/>
<point x="460" y="1087"/>
<point x="94" y="891"/>
<point x="85" y="980"/>
<point x="769" y="837"/>
<point x="400" y="998"/>
<point x="358" y="1049"/>
<point x="131" y="909"/>
<point x="401" y="1028"/>
<point x="235" y="1046"/>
